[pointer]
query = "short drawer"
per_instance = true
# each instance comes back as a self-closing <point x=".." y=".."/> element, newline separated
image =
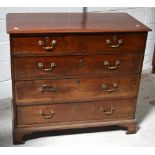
<point x="71" y="112"/>
<point x="68" y="66"/>
<point x="79" y="89"/>
<point x="47" y="44"/>
<point x="115" y="42"/>
<point x="79" y="44"/>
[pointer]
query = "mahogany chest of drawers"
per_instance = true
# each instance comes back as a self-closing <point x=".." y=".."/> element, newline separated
<point x="74" y="71"/>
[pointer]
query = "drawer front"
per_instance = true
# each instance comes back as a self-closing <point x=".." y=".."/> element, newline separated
<point x="83" y="44"/>
<point x="123" y="42"/>
<point x="81" y="89"/>
<point x="84" y="111"/>
<point x="47" y="44"/>
<point x="37" y="67"/>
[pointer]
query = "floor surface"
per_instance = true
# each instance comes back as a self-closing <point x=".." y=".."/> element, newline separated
<point x="145" y="116"/>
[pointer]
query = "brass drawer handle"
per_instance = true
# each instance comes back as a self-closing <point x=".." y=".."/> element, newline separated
<point x="106" y="63"/>
<point x="112" y="43"/>
<point x="52" y="47"/>
<point x="48" y="88"/>
<point x="114" y="87"/>
<point x="41" y="65"/>
<point x="50" y="115"/>
<point x="112" y="109"/>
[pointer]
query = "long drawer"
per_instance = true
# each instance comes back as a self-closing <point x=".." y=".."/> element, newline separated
<point x="64" y="112"/>
<point x="57" y="44"/>
<point x="66" y="66"/>
<point x="79" y="89"/>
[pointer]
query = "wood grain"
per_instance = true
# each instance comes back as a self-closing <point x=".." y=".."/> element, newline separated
<point x="30" y="115"/>
<point x="77" y="66"/>
<point x="72" y="23"/>
<point x="78" y="89"/>
<point x="74" y="44"/>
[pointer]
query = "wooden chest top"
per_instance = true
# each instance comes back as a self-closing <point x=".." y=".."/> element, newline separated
<point x="72" y="23"/>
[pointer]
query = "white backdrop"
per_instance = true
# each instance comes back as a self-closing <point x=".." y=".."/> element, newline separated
<point x="145" y="15"/>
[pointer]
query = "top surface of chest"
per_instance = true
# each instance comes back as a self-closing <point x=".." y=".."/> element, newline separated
<point x="19" y="23"/>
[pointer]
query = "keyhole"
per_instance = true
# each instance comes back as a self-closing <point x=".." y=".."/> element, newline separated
<point x="78" y="81"/>
<point x="77" y="105"/>
<point x="80" y="63"/>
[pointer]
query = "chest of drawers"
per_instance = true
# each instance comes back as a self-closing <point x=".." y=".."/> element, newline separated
<point x="70" y="71"/>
